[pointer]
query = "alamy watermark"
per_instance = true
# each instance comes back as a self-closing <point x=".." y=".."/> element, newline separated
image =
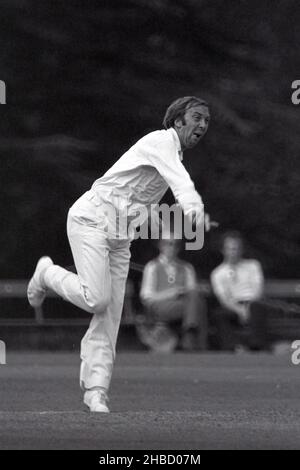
<point x="296" y="353"/>
<point x="296" y="94"/>
<point x="151" y="222"/>
<point x="2" y="92"/>
<point x="2" y="353"/>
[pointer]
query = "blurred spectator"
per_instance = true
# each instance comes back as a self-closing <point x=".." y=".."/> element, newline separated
<point x="237" y="284"/>
<point x="175" y="310"/>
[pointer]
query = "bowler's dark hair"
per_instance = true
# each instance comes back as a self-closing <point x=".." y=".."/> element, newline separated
<point x="177" y="109"/>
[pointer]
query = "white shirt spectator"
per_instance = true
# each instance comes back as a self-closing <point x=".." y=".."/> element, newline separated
<point x="242" y="282"/>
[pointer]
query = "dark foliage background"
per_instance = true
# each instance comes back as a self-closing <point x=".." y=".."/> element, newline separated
<point x="85" y="79"/>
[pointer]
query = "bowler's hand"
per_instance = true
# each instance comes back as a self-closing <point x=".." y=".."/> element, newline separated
<point x="209" y="224"/>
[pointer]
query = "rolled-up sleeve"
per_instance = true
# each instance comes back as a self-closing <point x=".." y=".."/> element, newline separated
<point x="148" y="287"/>
<point x="190" y="277"/>
<point x="218" y="286"/>
<point x="256" y="279"/>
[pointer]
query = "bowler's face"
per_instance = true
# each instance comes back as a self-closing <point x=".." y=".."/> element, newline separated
<point x="194" y="127"/>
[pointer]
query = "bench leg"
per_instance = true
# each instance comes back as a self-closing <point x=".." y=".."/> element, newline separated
<point x="39" y="315"/>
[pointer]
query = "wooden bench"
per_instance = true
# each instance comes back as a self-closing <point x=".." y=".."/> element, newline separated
<point x="277" y="289"/>
<point x="43" y="331"/>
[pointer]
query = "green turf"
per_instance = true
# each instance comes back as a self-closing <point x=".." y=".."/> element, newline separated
<point x="181" y="401"/>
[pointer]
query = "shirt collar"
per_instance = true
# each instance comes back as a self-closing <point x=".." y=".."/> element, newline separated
<point x="165" y="261"/>
<point x="177" y="141"/>
<point x="232" y="267"/>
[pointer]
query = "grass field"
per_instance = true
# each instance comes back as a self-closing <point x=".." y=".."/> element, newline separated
<point x="181" y="401"/>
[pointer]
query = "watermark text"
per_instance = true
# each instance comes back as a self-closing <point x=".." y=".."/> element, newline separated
<point x="2" y="353"/>
<point x="296" y="353"/>
<point x="296" y="94"/>
<point x="2" y="92"/>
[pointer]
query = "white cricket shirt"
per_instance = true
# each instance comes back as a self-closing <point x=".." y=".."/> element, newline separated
<point x="143" y="174"/>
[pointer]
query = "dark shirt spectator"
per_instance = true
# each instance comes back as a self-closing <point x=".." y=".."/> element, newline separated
<point x="169" y="292"/>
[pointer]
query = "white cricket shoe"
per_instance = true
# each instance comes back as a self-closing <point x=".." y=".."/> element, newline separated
<point x="36" y="290"/>
<point x="96" y="400"/>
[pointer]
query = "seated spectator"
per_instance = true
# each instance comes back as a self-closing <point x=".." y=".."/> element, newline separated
<point x="174" y="307"/>
<point x="238" y="283"/>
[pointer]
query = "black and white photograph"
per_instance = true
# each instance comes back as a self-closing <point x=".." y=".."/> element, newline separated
<point x="150" y="228"/>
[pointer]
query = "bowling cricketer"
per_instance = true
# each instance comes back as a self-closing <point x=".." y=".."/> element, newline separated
<point x="101" y="249"/>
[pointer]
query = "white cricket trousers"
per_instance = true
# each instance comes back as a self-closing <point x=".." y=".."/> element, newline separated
<point x="102" y="265"/>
